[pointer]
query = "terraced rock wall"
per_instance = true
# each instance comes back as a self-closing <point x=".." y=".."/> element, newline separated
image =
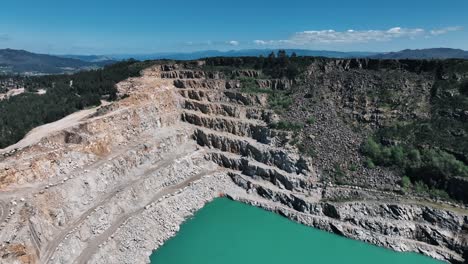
<point x="117" y="184"/>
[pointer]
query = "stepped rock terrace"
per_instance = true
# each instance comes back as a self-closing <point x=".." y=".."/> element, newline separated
<point x="115" y="184"/>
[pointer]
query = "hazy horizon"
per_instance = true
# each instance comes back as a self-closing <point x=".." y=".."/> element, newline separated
<point x="212" y="50"/>
<point x="123" y="27"/>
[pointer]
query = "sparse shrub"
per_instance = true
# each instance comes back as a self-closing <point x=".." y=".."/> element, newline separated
<point x="250" y="85"/>
<point x="339" y="174"/>
<point x="414" y="156"/>
<point x="307" y="150"/>
<point x="371" y="148"/>
<point x="369" y="163"/>
<point x="420" y="187"/>
<point x="406" y="182"/>
<point x="294" y="141"/>
<point x="279" y="101"/>
<point x="310" y="120"/>
<point x="443" y="163"/>
<point x="352" y="167"/>
<point x="437" y="193"/>
<point x="398" y="155"/>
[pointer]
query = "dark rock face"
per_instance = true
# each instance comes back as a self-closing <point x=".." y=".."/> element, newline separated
<point x="465" y="256"/>
<point x="336" y="229"/>
<point x="73" y="138"/>
<point x="440" y="218"/>
<point x="272" y="157"/>
<point x="330" y="211"/>
<point x="458" y="188"/>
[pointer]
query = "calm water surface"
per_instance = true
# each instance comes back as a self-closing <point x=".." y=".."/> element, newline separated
<point x="228" y="232"/>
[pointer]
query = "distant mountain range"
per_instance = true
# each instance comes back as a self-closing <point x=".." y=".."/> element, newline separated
<point x="241" y="53"/>
<point x="437" y="53"/>
<point x="24" y="62"/>
<point x="90" y="58"/>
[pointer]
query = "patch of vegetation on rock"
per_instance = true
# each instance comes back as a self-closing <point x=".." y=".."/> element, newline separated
<point x="428" y="166"/>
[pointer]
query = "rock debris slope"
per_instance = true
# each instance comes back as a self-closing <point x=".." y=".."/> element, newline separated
<point x="115" y="185"/>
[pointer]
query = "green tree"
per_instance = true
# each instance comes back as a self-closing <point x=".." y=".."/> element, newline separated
<point x="464" y="88"/>
<point x="406" y="182"/>
<point x="282" y="54"/>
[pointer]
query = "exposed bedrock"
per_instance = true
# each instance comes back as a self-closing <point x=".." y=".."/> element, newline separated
<point x="268" y="155"/>
<point x="246" y="73"/>
<point x="206" y="84"/>
<point x="117" y="184"/>
<point x="189" y="74"/>
<point x="231" y="110"/>
<point x="259" y="170"/>
<point x="225" y="96"/>
<point x="276" y="84"/>
<point x="238" y="127"/>
<point x="60" y="153"/>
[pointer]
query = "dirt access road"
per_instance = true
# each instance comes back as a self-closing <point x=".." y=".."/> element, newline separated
<point x="40" y="132"/>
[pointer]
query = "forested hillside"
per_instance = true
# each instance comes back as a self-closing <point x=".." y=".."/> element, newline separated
<point x="28" y="63"/>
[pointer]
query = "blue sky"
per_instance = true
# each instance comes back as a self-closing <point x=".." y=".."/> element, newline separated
<point x="144" y="26"/>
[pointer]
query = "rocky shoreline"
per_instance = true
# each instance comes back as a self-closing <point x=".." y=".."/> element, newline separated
<point x="177" y="208"/>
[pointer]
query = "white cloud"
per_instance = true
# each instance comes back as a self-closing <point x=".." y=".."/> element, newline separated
<point x="212" y="43"/>
<point x="202" y="43"/>
<point x="350" y="36"/>
<point x="272" y="42"/>
<point x="440" y="31"/>
<point x="233" y="43"/>
<point x="331" y="36"/>
<point x="323" y="37"/>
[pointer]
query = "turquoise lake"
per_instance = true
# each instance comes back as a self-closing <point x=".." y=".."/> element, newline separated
<point x="229" y="232"/>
